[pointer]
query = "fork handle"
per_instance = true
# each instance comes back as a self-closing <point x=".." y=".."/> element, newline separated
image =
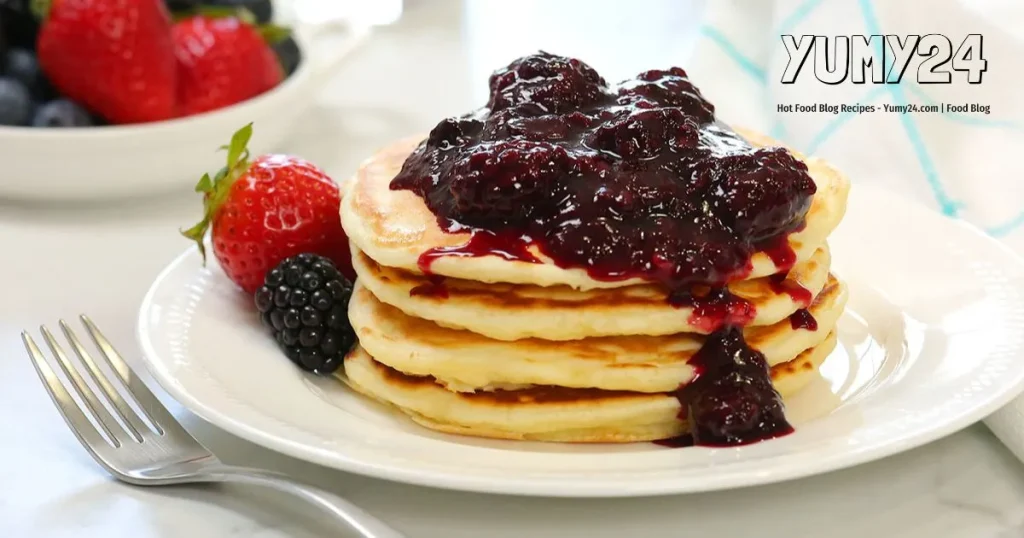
<point x="356" y="518"/>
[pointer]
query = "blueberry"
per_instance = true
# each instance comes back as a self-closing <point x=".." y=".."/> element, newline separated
<point x="61" y="113"/>
<point x="23" y="65"/>
<point x="15" y="102"/>
<point x="288" y="54"/>
<point x="262" y="9"/>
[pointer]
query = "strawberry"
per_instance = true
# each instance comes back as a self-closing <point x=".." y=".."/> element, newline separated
<point x="266" y="210"/>
<point x="222" y="61"/>
<point x="116" y="58"/>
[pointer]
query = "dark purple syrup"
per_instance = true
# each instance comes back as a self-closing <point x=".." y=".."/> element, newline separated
<point x="679" y="441"/>
<point x="434" y="287"/>
<point x="714" y="308"/>
<point x="508" y="245"/>
<point x="635" y="180"/>
<point x="732" y="401"/>
<point x="798" y="293"/>
<point x="803" y="319"/>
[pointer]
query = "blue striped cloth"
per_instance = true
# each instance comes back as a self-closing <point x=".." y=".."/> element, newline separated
<point x="963" y="164"/>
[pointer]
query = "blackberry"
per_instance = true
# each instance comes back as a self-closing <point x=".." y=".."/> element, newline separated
<point x="304" y="303"/>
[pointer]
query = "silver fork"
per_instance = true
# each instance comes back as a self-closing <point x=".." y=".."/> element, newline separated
<point x="162" y="452"/>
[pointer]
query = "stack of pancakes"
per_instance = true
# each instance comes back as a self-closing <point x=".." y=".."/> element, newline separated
<point x="493" y="347"/>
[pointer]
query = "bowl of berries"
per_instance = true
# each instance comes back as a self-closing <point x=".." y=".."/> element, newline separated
<point x="104" y="99"/>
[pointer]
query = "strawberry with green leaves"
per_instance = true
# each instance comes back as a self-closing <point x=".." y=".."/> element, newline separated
<point x="224" y="59"/>
<point x="116" y="58"/>
<point x="263" y="210"/>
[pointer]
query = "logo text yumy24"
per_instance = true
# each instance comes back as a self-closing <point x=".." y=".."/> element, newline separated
<point x="884" y="59"/>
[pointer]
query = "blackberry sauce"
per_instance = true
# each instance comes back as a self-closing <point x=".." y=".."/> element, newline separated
<point x="434" y="287"/>
<point x="634" y="180"/>
<point x="506" y="244"/>
<point x="798" y="293"/>
<point x="732" y="401"/>
<point x="781" y="254"/>
<point x="714" y="308"/>
<point x="680" y="441"/>
<point x="803" y="319"/>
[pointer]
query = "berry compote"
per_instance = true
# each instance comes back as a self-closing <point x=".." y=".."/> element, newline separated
<point x="732" y="401"/>
<point x="634" y="180"/>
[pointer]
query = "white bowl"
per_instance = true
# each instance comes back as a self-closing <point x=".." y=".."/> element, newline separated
<point x="130" y="160"/>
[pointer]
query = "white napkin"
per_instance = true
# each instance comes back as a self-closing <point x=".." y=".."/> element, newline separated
<point x="964" y="164"/>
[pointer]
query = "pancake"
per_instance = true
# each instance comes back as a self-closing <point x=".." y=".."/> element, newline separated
<point x="547" y="413"/>
<point x="465" y="361"/>
<point x="396" y="227"/>
<point x="517" y="311"/>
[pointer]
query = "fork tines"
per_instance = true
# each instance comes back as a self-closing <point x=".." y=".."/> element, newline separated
<point x="116" y="419"/>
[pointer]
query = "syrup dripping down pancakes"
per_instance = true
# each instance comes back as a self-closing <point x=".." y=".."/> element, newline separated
<point x="584" y="262"/>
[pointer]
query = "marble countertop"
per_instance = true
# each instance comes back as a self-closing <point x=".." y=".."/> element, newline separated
<point x="65" y="260"/>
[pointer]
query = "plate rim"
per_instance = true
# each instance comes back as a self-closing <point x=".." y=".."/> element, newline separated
<point x="976" y="412"/>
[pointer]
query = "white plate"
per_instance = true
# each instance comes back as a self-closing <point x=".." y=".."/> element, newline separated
<point x="930" y="343"/>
